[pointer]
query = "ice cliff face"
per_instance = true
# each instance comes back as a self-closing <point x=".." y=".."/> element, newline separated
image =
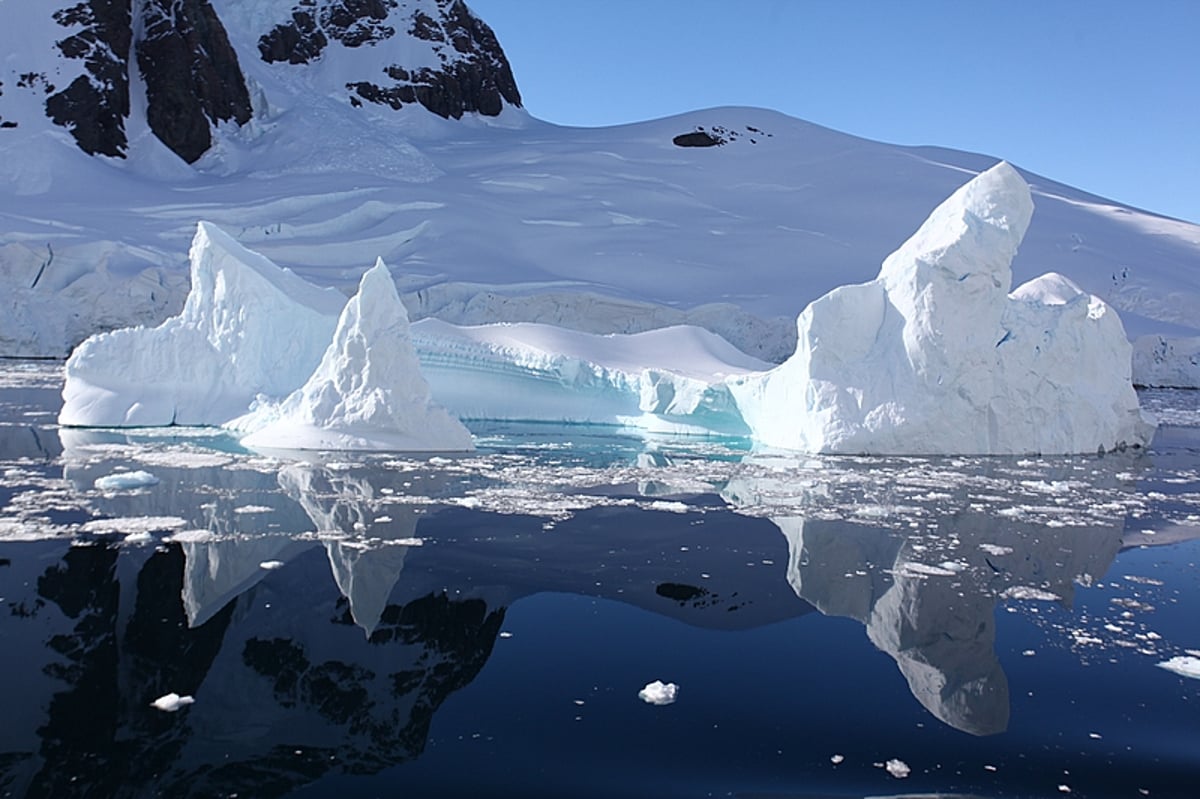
<point x="934" y="355"/>
<point x="103" y="69"/>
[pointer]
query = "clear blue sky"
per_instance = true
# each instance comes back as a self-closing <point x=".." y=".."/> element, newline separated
<point x="1102" y="95"/>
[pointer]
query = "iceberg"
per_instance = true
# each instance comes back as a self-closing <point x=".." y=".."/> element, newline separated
<point x="367" y="393"/>
<point x="247" y="328"/>
<point x="672" y="379"/>
<point x="934" y="356"/>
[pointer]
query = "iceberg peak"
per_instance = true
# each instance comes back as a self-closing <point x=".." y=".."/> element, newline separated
<point x="368" y="392"/>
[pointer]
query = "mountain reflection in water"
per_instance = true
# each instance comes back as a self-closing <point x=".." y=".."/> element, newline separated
<point x="322" y="612"/>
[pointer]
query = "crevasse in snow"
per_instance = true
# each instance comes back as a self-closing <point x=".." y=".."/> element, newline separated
<point x="368" y="392"/>
<point x="935" y="356"/>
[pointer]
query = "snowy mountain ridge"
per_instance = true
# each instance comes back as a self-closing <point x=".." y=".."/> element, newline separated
<point x="484" y="218"/>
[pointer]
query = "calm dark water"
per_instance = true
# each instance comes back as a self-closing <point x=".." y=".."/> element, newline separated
<point x="481" y="626"/>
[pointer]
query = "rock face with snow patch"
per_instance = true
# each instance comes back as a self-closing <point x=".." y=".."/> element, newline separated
<point x="81" y="61"/>
<point x="368" y="392"/>
<point x="934" y="355"/>
<point x="247" y="328"/>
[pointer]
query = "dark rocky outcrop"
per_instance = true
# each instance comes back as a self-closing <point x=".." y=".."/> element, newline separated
<point x="301" y="40"/>
<point x="697" y="138"/>
<point x="475" y="75"/>
<point x="93" y="107"/>
<point x="192" y="75"/>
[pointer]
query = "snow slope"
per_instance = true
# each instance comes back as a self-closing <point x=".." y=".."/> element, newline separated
<point x="604" y="230"/>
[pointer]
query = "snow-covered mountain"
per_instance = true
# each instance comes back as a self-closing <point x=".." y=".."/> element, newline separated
<point x="328" y="133"/>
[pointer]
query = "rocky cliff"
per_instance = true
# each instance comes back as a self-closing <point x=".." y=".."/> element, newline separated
<point x="184" y="68"/>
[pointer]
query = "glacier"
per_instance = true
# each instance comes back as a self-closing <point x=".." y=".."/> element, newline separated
<point x="368" y="392"/>
<point x="934" y="356"/>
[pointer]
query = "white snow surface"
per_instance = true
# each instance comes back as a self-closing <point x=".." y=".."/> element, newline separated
<point x="1165" y="362"/>
<point x="659" y="693"/>
<point x="935" y="356"/>
<point x="516" y="220"/>
<point x="368" y="392"/>
<point x="247" y="328"/>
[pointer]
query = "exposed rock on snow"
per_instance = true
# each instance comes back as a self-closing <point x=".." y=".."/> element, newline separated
<point x="1162" y="362"/>
<point x="934" y="355"/>
<point x="368" y="392"/>
<point x="247" y="328"/>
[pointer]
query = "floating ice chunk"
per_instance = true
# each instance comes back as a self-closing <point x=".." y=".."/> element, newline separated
<point x="897" y="768"/>
<point x="271" y="565"/>
<point x="124" y="481"/>
<point x="1028" y="592"/>
<point x="172" y="702"/>
<point x="934" y="356"/>
<point x="659" y="693"/>
<point x="1185" y="666"/>
<point x="836" y="759"/>
<point x="248" y="327"/>
<point x="367" y="393"/>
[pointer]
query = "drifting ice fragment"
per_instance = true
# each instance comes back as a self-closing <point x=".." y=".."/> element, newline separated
<point x="124" y="481"/>
<point x="1183" y="666"/>
<point x="935" y="357"/>
<point x="171" y="702"/>
<point x="898" y="768"/>
<point x="659" y="693"/>
<point x="367" y="393"/>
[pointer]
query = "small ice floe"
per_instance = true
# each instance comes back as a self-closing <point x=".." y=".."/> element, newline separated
<point x="836" y="759"/>
<point x="271" y="565"/>
<point x="659" y="693"/>
<point x="1028" y="592"/>
<point x="171" y="702"/>
<point x="996" y="549"/>
<point x="1184" y="666"/>
<point x="244" y="509"/>
<point x="124" y="481"/>
<point x="897" y="768"/>
<point x="505" y="634"/>
<point x="668" y="506"/>
<point x="139" y="537"/>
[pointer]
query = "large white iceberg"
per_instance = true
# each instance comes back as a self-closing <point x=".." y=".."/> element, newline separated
<point x="935" y="356"/>
<point x="368" y="392"/>
<point x="247" y="328"/>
